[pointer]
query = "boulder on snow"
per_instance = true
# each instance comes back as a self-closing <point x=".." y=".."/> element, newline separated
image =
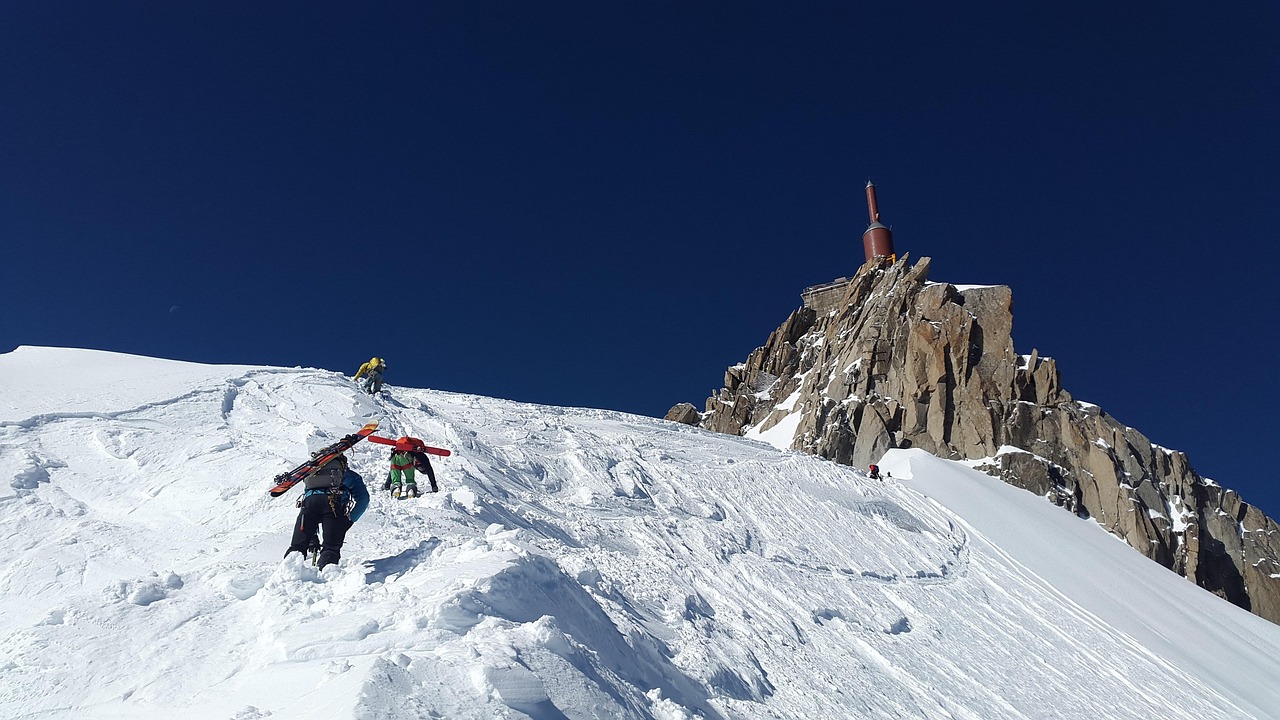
<point x="684" y="413"/>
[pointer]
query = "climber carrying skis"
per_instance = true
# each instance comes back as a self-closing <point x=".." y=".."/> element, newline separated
<point x="406" y="457"/>
<point x="373" y="369"/>
<point x="400" y="479"/>
<point x="334" y="499"/>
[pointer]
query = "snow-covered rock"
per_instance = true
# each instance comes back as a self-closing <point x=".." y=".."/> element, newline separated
<point x="887" y="359"/>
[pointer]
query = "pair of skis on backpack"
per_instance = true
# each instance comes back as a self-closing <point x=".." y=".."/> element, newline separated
<point x="410" y="444"/>
<point x="287" y="480"/>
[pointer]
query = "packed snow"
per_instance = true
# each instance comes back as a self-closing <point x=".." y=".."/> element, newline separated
<point x="577" y="563"/>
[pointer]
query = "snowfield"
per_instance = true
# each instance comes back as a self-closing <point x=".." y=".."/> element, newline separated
<point x="577" y="563"/>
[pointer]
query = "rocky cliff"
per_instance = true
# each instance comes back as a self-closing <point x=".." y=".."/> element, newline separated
<point x="887" y="359"/>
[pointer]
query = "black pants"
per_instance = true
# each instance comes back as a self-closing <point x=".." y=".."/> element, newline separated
<point x="423" y="464"/>
<point x="329" y="511"/>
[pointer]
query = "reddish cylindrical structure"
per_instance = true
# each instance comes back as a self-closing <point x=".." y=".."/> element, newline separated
<point x="873" y="211"/>
<point x="877" y="241"/>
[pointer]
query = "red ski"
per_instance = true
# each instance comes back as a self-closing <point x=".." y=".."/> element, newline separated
<point x="284" y="481"/>
<point x="410" y="444"/>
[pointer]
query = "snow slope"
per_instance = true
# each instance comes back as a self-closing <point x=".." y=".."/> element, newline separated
<point x="577" y="564"/>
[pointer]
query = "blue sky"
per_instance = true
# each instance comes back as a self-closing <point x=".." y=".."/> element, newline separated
<point x="601" y="205"/>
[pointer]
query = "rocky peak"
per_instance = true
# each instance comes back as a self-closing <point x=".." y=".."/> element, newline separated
<point x="887" y="359"/>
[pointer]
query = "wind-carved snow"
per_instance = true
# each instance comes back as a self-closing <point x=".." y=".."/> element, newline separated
<point x="577" y="563"/>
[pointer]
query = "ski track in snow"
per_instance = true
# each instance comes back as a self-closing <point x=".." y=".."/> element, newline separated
<point x="577" y="563"/>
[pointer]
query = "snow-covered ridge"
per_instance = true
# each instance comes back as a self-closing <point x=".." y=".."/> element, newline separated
<point x="68" y="382"/>
<point x="578" y="563"/>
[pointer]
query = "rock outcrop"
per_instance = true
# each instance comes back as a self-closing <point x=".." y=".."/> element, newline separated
<point x="889" y="360"/>
<point x="684" y="413"/>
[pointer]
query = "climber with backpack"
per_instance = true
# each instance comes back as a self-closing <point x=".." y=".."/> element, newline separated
<point x="400" y="478"/>
<point x="373" y="369"/>
<point x="407" y="457"/>
<point x="334" y="500"/>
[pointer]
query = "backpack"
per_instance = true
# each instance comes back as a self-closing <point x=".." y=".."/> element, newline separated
<point x="329" y="476"/>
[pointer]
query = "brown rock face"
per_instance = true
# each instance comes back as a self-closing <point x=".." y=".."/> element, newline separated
<point x="897" y="361"/>
<point x="684" y="413"/>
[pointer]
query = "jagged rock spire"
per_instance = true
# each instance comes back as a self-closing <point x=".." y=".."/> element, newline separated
<point x="887" y="359"/>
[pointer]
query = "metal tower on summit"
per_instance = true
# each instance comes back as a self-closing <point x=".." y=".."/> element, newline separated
<point x="877" y="241"/>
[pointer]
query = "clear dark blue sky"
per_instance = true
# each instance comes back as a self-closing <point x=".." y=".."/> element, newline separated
<point x="606" y="204"/>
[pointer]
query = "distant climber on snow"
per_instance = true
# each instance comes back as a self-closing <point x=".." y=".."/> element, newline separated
<point x="874" y="472"/>
<point x="334" y="500"/>
<point x="373" y="369"/>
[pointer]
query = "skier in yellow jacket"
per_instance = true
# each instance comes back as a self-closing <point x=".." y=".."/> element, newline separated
<point x="374" y="369"/>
